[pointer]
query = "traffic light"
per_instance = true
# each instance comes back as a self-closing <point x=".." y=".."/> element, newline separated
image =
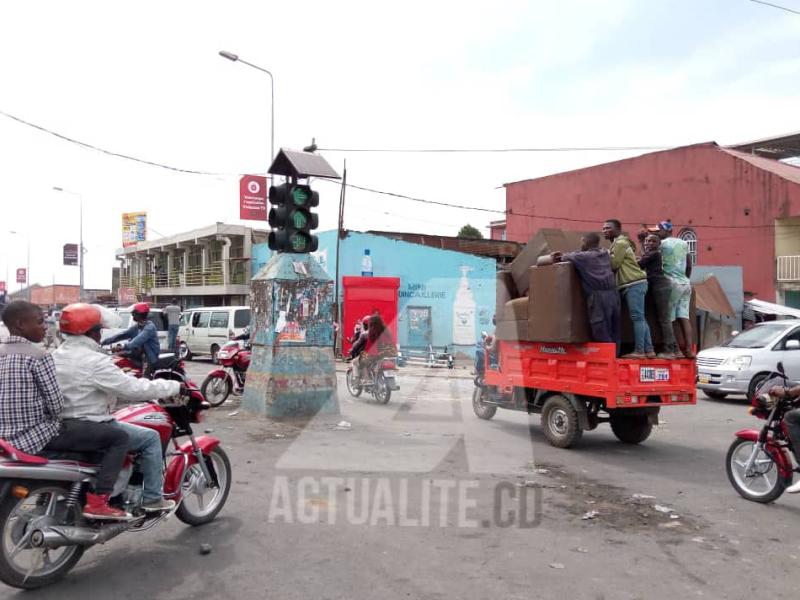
<point x="291" y="218"/>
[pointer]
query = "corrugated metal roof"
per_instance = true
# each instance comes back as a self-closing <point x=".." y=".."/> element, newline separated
<point x="777" y="147"/>
<point x="483" y="247"/>
<point x="781" y="169"/>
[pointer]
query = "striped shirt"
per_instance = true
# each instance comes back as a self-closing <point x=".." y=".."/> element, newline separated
<point x="30" y="399"/>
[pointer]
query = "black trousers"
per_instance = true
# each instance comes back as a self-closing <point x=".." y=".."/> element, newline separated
<point x="604" y="308"/>
<point x="105" y="439"/>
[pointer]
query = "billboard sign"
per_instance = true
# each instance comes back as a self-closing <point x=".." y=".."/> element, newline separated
<point x="22" y="275"/>
<point x="134" y="228"/>
<point x="71" y="255"/>
<point x="126" y="295"/>
<point x="253" y="198"/>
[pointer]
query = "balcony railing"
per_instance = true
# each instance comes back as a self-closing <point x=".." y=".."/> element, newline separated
<point x="789" y="268"/>
<point x="194" y="276"/>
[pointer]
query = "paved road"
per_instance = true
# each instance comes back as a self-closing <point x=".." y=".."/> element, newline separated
<point x="420" y="499"/>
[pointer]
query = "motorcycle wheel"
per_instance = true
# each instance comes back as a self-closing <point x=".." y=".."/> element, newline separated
<point x="381" y="390"/>
<point x="765" y="484"/>
<point x="481" y="409"/>
<point x="354" y="389"/>
<point x="195" y="508"/>
<point x="216" y="389"/>
<point x="21" y="565"/>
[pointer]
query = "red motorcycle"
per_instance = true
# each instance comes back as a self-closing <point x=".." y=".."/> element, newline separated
<point x="759" y="463"/>
<point x="43" y="533"/>
<point x="220" y="383"/>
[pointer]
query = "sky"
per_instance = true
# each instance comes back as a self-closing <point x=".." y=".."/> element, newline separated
<point x="145" y="79"/>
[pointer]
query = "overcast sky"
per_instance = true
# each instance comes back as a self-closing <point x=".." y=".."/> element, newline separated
<point x="145" y="79"/>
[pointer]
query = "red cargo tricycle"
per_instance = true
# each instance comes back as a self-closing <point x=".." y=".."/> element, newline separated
<point x="575" y="387"/>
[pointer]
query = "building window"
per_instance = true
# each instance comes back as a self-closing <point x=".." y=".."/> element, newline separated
<point x="690" y="237"/>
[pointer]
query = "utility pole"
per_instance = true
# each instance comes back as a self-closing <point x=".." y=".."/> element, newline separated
<point x="339" y="234"/>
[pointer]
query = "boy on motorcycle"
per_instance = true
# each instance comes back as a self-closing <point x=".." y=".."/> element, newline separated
<point x="143" y="337"/>
<point x="792" y="420"/>
<point x="91" y="384"/>
<point x="31" y="404"/>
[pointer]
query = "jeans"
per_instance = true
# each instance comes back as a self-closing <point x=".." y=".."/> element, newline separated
<point x="86" y="436"/>
<point x="661" y="294"/>
<point x="634" y="296"/>
<point x="602" y="306"/>
<point x="147" y="444"/>
<point x="173" y="338"/>
<point x="792" y="420"/>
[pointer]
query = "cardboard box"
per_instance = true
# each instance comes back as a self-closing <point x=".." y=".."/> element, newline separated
<point x="512" y="331"/>
<point x="557" y="309"/>
<point x="506" y="290"/>
<point x="515" y="310"/>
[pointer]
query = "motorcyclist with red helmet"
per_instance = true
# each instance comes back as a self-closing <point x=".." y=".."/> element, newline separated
<point x="143" y="337"/>
<point x="359" y="346"/>
<point x="91" y="384"/>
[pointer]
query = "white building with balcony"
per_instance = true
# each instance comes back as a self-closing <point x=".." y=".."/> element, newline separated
<point x="211" y="266"/>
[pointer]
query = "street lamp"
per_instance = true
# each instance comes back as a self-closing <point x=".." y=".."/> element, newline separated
<point x="80" y="248"/>
<point x="235" y="58"/>
<point x="28" y="266"/>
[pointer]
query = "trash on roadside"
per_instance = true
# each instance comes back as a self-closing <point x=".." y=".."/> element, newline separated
<point x="543" y="471"/>
<point x="556" y="565"/>
<point x="592" y="514"/>
<point x="670" y="525"/>
<point x="343" y="425"/>
<point x="663" y="509"/>
<point x="581" y="550"/>
<point x="407" y="434"/>
<point x="698" y="540"/>
<point x="233" y="414"/>
<point x="209" y="430"/>
<point x="674" y="516"/>
<point x="279" y="435"/>
<point x="205" y="548"/>
<point x="528" y="483"/>
<point x="642" y="497"/>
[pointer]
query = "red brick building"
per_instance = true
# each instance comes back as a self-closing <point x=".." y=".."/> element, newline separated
<point x="733" y="207"/>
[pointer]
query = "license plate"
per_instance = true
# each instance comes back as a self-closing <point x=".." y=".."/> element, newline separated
<point x="653" y="374"/>
<point x="388" y="374"/>
<point x="703" y="378"/>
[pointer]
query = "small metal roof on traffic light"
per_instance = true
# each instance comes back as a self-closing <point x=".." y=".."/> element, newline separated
<point x="293" y="163"/>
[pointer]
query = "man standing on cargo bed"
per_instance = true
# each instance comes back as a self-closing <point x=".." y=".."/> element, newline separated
<point x="632" y="285"/>
<point x="593" y="265"/>
<point x="677" y="266"/>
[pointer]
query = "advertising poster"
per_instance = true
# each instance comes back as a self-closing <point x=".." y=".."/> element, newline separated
<point x="134" y="228"/>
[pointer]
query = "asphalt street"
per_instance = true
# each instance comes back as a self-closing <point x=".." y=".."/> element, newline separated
<point x="421" y="499"/>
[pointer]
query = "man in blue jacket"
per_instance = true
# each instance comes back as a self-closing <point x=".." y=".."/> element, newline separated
<point x="143" y="337"/>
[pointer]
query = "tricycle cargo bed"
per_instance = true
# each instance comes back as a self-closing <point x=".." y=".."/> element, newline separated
<point x="592" y="370"/>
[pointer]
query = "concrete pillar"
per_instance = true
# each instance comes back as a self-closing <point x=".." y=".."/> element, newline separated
<point x="292" y="370"/>
<point x="226" y="259"/>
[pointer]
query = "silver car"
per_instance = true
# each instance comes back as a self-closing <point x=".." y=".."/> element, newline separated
<point x="739" y="366"/>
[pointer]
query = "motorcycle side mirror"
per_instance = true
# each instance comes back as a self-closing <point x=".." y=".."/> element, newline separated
<point x="781" y="369"/>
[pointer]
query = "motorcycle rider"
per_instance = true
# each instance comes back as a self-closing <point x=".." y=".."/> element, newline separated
<point x="792" y="420"/>
<point x="31" y="404"/>
<point x="358" y="348"/>
<point x="143" y="337"/>
<point x="91" y="384"/>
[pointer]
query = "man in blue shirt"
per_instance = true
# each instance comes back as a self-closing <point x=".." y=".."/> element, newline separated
<point x="143" y="337"/>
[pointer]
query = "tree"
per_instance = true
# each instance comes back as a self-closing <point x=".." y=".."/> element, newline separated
<point x="469" y="232"/>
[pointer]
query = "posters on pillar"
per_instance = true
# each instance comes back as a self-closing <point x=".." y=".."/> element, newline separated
<point x="300" y="308"/>
<point x="126" y="295"/>
<point x="253" y="198"/>
<point x="71" y="255"/>
<point x="134" y="228"/>
<point x="22" y="275"/>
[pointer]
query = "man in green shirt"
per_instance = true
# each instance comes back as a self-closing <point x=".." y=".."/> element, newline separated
<point x="632" y="286"/>
<point x="677" y="266"/>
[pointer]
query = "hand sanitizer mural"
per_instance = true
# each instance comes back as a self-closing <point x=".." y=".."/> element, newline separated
<point x="464" y="312"/>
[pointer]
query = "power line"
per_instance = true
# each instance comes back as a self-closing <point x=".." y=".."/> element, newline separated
<point x="779" y="7"/>
<point x="495" y="150"/>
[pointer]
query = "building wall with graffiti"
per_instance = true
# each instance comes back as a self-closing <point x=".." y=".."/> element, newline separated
<point x="446" y="298"/>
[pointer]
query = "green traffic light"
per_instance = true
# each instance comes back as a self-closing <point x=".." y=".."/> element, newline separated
<point x="300" y="196"/>
<point x="298" y="243"/>
<point x="299" y="219"/>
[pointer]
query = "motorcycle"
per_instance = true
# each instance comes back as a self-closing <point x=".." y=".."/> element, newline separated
<point x="220" y="383"/>
<point x="759" y="463"/>
<point x="380" y="379"/>
<point x="43" y="533"/>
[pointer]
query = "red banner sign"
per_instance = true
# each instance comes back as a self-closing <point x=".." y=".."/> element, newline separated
<point x="22" y="275"/>
<point x="253" y="198"/>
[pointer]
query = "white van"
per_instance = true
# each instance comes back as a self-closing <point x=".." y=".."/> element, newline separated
<point x="204" y="330"/>
<point x="157" y="317"/>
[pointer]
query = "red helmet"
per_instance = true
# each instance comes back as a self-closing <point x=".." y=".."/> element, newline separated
<point x="79" y="318"/>
<point x="142" y="309"/>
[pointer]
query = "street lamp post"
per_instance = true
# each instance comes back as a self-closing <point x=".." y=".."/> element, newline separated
<point x="235" y="58"/>
<point x="80" y="246"/>
<point x="27" y="266"/>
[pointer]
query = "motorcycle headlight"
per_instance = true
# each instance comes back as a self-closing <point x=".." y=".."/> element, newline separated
<point x="742" y="362"/>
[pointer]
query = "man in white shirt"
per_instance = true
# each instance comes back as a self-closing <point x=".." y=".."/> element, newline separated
<point x="91" y="384"/>
<point x="173" y="313"/>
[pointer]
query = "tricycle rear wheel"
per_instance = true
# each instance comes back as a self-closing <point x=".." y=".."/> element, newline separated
<point x="482" y="410"/>
<point x="560" y="422"/>
<point x="630" y="429"/>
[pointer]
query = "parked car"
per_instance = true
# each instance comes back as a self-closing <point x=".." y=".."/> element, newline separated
<point x="205" y="330"/>
<point x="156" y="316"/>
<point x="740" y="365"/>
